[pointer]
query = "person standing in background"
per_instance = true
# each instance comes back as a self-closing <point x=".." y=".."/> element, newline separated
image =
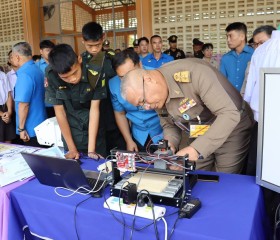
<point x="233" y="64"/>
<point x="45" y="47"/>
<point x="173" y="50"/>
<point x="157" y="58"/>
<point x="207" y="50"/>
<point x="7" y="128"/>
<point x="29" y="94"/>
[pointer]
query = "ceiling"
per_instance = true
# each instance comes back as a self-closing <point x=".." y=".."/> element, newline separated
<point x="103" y="4"/>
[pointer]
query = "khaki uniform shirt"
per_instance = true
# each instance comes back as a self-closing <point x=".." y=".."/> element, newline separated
<point x="217" y="103"/>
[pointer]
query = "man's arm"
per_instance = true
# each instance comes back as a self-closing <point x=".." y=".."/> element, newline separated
<point x="94" y="114"/>
<point x="23" y="109"/>
<point x="123" y="125"/>
<point x="66" y="132"/>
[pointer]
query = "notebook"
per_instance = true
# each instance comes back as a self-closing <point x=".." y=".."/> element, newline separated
<point x="61" y="172"/>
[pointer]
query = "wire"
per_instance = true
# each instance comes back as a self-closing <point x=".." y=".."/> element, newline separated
<point x="87" y="191"/>
<point x="165" y="228"/>
<point x="75" y="215"/>
<point x="174" y="226"/>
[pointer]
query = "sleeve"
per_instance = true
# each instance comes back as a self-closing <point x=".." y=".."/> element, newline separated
<point x="7" y="83"/>
<point x="24" y="88"/>
<point x="251" y="81"/>
<point x="217" y="100"/>
<point x="115" y="94"/>
<point x="222" y="67"/>
<point x="51" y="88"/>
<point x="170" y="131"/>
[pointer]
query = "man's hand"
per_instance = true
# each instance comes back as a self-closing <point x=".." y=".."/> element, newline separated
<point x="131" y="146"/>
<point x="193" y="156"/>
<point x="72" y="154"/>
<point x="6" y="117"/>
<point x="24" y="136"/>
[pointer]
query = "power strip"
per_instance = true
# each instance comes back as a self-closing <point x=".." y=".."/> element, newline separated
<point x="144" y="212"/>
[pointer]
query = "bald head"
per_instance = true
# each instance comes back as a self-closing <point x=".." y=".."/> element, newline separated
<point x="132" y="82"/>
<point x="145" y="88"/>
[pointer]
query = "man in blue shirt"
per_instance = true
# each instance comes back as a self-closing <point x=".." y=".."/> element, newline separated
<point x="45" y="47"/>
<point x="145" y="125"/>
<point x="29" y="94"/>
<point x="157" y="58"/>
<point x="143" y="47"/>
<point x="233" y="64"/>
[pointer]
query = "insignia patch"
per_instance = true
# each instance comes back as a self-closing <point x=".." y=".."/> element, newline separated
<point x="197" y="130"/>
<point x="186" y="116"/>
<point x="94" y="73"/>
<point x="183" y="101"/>
<point x="187" y="105"/>
<point x="62" y="87"/>
<point x="184" y="77"/>
<point x="111" y="53"/>
<point x="103" y="83"/>
<point x="88" y="89"/>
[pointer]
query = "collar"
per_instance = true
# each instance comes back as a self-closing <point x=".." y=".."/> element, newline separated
<point x="25" y="66"/>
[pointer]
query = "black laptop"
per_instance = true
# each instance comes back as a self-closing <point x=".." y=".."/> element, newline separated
<point x="67" y="173"/>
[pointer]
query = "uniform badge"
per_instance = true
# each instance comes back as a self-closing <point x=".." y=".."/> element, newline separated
<point x="187" y="105"/>
<point x="62" y="87"/>
<point x="184" y="77"/>
<point x="197" y="130"/>
<point x="184" y="101"/>
<point x="88" y="89"/>
<point x="186" y="116"/>
<point x="94" y="73"/>
<point x="111" y="53"/>
<point x="103" y="83"/>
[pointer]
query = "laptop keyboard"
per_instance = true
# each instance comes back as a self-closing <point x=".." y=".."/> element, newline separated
<point x="92" y="183"/>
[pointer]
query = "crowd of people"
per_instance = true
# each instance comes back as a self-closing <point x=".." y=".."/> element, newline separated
<point x="131" y="98"/>
<point x="99" y="106"/>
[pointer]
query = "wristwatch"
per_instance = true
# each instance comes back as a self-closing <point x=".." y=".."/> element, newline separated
<point x="21" y="129"/>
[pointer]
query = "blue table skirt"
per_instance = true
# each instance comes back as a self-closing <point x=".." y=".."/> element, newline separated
<point x="231" y="209"/>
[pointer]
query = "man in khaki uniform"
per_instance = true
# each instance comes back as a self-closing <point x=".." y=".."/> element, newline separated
<point x="192" y="96"/>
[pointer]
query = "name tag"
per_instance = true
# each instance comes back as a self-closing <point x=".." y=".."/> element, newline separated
<point x="197" y="130"/>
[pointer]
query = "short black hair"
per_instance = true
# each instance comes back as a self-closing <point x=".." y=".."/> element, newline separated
<point x="266" y="28"/>
<point x="62" y="57"/>
<point x="36" y="57"/>
<point x="237" y="26"/>
<point x="92" y="31"/>
<point x="46" y="44"/>
<point x="143" y="39"/>
<point x="155" y="36"/>
<point x="121" y="57"/>
<point x="207" y="46"/>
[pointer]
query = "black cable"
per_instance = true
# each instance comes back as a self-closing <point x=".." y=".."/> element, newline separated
<point x="277" y="221"/>
<point x="152" y="206"/>
<point x="121" y="208"/>
<point x="75" y="214"/>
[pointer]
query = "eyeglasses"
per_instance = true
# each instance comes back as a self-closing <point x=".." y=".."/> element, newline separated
<point x="142" y="104"/>
<point x="255" y="45"/>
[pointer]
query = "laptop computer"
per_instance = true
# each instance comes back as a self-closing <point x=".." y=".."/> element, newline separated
<point x="67" y="173"/>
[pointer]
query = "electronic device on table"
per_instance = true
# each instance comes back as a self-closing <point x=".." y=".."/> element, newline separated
<point x="165" y="186"/>
<point x="67" y="173"/>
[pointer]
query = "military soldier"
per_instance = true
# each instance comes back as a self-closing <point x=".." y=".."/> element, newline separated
<point x="101" y="62"/>
<point x="191" y="96"/>
<point x="173" y="50"/>
<point x="76" y="102"/>
<point x="106" y="46"/>
<point x="136" y="46"/>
